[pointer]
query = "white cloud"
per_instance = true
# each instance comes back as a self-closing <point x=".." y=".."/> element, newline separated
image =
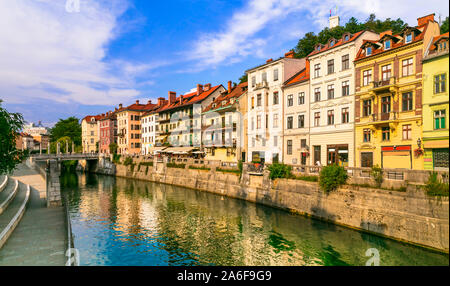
<point x="48" y="53"/>
<point x="242" y="33"/>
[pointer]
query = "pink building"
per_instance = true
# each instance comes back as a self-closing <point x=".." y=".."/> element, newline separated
<point x="107" y="127"/>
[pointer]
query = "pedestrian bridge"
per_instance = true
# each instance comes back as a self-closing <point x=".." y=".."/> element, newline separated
<point x="64" y="157"/>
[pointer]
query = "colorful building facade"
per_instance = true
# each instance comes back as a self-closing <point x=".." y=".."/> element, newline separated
<point x="89" y="133"/>
<point x="436" y="104"/>
<point x="107" y="125"/>
<point x="388" y="104"/>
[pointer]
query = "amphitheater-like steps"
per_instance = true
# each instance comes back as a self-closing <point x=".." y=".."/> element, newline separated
<point x="13" y="202"/>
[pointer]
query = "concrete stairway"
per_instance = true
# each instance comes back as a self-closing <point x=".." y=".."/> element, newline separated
<point x="14" y="197"/>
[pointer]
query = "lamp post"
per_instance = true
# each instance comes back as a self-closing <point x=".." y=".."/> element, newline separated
<point x="419" y="142"/>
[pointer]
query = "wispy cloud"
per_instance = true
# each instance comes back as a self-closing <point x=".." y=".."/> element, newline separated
<point x="50" y="54"/>
<point x="243" y="34"/>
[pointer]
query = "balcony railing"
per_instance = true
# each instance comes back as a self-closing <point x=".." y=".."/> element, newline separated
<point x="384" y="83"/>
<point x="384" y="116"/>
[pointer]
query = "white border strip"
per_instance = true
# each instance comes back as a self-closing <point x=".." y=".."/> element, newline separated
<point x="4" y="235"/>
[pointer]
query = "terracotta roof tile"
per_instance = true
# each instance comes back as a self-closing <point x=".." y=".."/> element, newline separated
<point x="301" y="76"/>
<point x="337" y="44"/>
<point x="235" y="93"/>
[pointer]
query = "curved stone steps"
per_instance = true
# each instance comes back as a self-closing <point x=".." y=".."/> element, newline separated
<point x="7" y="196"/>
<point x="12" y="215"/>
<point x="3" y="182"/>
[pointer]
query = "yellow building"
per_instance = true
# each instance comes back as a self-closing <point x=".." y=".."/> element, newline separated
<point x="435" y="104"/>
<point x="388" y="101"/>
<point x="89" y="133"/>
<point x="223" y="126"/>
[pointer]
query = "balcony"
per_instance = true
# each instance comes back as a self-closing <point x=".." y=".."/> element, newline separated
<point x="381" y="86"/>
<point x="383" y="117"/>
<point x="261" y="85"/>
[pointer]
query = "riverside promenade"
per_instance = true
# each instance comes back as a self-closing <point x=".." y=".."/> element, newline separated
<point x="40" y="237"/>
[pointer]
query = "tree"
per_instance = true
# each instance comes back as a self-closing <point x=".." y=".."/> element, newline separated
<point x="306" y="45"/>
<point x="62" y="143"/>
<point x="444" y="26"/>
<point x="113" y="148"/>
<point x="69" y="127"/>
<point x="10" y="126"/>
<point x="243" y="78"/>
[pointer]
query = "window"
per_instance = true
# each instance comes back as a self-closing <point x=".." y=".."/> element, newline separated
<point x="345" y="62"/>
<point x="316" y="118"/>
<point x="345" y="115"/>
<point x="264" y="76"/>
<point x="275" y="74"/>
<point x="440" y="158"/>
<point x="290" y="100"/>
<point x="92" y="133"/>
<point x="302" y="143"/>
<point x="275" y="98"/>
<point x="253" y="123"/>
<point x="317" y="153"/>
<point x="330" y="91"/>
<point x="275" y="141"/>
<point x="366" y="135"/>
<point x="258" y="122"/>
<point x="289" y="147"/>
<point x="345" y="88"/>
<point x="386" y="133"/>
<point x="439" y="119"/>
<point x="275" y="120"/>
<point x="387" y="45"/>
<point x="386" y="104"/>
<point x="440" y="82"/>
<point x="330" y="117"/>
<point x="386" y="72"/>
<point x="407" y="101"/>
<point x="317" y="94"/>
<point x="267" y="121"/>
<point x="290" y="122"/>
<point x="253" y="81"/>
<point x="253" y="142"/>
<point x="317" y="70"/>
<point x="407" y="132"/>
<point x="330" y="66"/>
<point x="408" y="38"/>
<point x="301" y="98"/>
<point x="368" y="51"/>
<point x="332" y="43"/>
<point x="407" y="67"/>
<point x="366" y="159"/>
<point x="367" y="107"/>
<point x="367" y="77"/>
<point x="258" y="100"/>
<point x="346" y="38"/>
<point x="301" y="121"/>
<point x="253" y="102"/>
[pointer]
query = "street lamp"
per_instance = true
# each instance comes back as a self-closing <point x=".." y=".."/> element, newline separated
<point x="419" y="142"/>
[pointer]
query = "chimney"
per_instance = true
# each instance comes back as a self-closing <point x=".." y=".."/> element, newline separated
<point x="149" y="101"/>
<point x="289" y="54"/>
<point x="161" y="101"/>
<point x="268" y="61"/>
<point x="334" y="21"/>
<point x="115" y="109"/>
<point x="181" y="99"/>
<point x="229" y="86"/>
<point x="388" y="32"/>
<point x="423" y="20"/>
<point x="199" y="89"/>
<point x="172" y="97"/>
<point x="120" y="105"/>
<point x="207" y="87"/>
<point x="137" y="101"/>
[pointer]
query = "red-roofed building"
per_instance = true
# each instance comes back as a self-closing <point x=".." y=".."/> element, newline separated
<point x="296" y="114"/>
<point x="332" y="95"/>
<point x="388" y="99"/>
<point x="180" y="119"/>
<point x="224" y="127"/>
<point x="89" y="133"/>
<point x="129" y="126"/>
<point x="107" y="131"/>
<point x="150" y="127"/>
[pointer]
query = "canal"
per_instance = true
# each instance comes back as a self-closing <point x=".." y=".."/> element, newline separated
<point x="118" y="221"/>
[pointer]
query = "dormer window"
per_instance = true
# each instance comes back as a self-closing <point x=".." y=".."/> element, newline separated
<point x="408" y="38"/>
<point x="387" y="45"/>
<point x="224" y="102"/>
<point x="318" y="48"/>
<point x="331" y="43"/>
<point x="368" y="51"/>
<point x="346" y="38"/>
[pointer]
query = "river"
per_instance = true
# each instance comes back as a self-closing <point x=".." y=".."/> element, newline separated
<point x="118" y="221"/>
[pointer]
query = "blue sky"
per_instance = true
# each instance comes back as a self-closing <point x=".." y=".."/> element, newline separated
<point x="57" y="60"/>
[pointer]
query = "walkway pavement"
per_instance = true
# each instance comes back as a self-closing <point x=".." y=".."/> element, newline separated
<point x="40" y="237"/>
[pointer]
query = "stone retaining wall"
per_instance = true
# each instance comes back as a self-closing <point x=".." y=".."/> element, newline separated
<point x="409" y="216"/>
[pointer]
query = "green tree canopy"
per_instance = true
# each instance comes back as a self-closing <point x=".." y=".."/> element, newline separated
<point x="69" y="127"/>
<point x="306" y="44"/>
<point x="243" y="78"/>
<point x="444" y="26"/>
<point x="10" y="126"/>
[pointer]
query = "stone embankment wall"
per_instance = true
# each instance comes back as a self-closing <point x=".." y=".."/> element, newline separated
<point x="409" y="216"/>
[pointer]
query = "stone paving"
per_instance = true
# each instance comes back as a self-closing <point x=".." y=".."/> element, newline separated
<point x="40" y="237"/>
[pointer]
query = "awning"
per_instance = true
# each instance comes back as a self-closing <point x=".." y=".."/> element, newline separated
<point x="154" y="150"/>
<point x="180" y="150"/>
<point x="435" y="144"/>
<point x="161" y="138"/>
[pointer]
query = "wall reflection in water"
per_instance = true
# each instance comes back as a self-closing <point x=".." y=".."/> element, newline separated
<point x="120" y="221"/>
